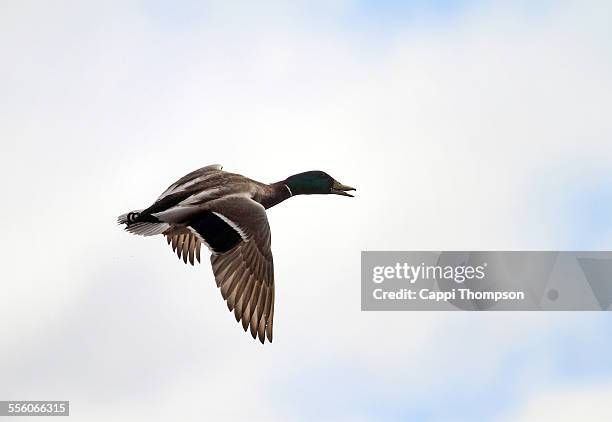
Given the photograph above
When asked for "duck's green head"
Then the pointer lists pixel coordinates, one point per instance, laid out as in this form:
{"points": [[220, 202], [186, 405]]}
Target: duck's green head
{"points": [[316, 182]]}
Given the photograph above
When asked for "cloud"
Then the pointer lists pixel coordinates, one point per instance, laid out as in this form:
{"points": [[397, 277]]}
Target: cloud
{"points": [[567, 403]]}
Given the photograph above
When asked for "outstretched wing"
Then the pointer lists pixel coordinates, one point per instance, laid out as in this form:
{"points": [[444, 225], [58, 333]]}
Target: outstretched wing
{"points": [[245, 273], [236, 231]]}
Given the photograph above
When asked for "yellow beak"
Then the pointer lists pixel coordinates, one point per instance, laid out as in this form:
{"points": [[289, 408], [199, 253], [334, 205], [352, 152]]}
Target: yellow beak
{"points": [[340, 189]]}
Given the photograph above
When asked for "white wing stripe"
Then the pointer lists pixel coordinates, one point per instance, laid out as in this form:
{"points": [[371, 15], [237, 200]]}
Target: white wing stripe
{"points": [[233, 225]]}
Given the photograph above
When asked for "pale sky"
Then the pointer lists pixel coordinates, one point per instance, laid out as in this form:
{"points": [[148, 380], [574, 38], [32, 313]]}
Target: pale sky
{"points": [[464, 126]]}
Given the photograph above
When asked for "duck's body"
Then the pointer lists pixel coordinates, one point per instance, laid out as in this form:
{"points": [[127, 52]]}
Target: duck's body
{"points": [[226, 212]]}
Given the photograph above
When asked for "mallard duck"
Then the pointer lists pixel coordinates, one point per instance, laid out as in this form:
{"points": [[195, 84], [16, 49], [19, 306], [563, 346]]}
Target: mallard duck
{"points": [[227, 213]]}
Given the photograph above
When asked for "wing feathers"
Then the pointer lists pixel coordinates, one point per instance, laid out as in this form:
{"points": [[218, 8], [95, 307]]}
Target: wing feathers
{"points": [[244, 274], [192, 246], [251, 304], [185, 244], [264, 317], [179, 245], [257, 313], [238, 296], [243, 302], [270, 319]]}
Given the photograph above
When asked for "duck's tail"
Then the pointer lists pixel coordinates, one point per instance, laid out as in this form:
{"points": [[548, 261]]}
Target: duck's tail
{"points": [[129, 217], [142, 224]]}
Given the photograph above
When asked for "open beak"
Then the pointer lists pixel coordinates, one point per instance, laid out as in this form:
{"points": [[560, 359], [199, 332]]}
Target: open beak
{"points": [[340, 189]]}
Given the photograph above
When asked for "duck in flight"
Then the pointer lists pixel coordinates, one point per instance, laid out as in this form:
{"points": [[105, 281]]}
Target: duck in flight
{"points": [[227, 213]]}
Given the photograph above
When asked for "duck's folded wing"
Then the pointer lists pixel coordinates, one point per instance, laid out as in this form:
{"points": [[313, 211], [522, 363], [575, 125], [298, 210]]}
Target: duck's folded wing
{"points": [[245, 273], [190, 179]]}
